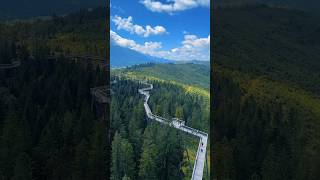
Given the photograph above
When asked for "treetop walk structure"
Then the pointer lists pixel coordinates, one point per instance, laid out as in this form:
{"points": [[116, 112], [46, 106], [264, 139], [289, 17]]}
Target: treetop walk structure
{"points": [[201, 157], [14, 64]]}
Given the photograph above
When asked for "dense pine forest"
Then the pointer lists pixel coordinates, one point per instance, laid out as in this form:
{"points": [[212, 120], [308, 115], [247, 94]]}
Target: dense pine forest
{"points": [[186, 73], [169, 101], [143, 149], [80, 33], [48, 126], [266, 107]]}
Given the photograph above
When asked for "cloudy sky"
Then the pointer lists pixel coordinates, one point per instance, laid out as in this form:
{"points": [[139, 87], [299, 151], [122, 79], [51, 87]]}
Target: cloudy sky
{"points": [[171, 29]]}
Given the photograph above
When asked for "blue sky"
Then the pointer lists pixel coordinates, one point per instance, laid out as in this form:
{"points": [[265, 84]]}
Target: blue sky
{"points": [[170, 29]]}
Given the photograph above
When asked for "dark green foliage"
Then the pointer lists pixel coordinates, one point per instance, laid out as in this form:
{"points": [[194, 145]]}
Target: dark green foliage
{"points": [[266, 106], [157, 150], [169, 100], [97, 159], [278, 43], [49, 130], [79, 33], [186, 73], [7, 50], [128, 120], [269, 137], [122, 158], [22, 168], [162, 154], [80, 164]]}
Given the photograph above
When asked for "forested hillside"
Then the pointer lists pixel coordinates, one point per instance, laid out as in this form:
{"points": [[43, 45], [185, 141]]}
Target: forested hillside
{"points": [[186, 73], [168, 100], [266, 108], [193, 78], [80, 33], [137, 148], [48, 128], [143, 149], [273, 42]]}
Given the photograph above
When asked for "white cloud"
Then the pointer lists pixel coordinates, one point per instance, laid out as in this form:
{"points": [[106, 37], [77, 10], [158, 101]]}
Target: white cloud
{"points": [[121, 41], [195, 41], [192, 48], [174, 5], [147, 48], [126, 24]]}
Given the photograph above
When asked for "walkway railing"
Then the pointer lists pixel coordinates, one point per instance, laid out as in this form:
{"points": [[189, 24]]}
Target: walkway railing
{"points": [[197, 173], [10, 66]]}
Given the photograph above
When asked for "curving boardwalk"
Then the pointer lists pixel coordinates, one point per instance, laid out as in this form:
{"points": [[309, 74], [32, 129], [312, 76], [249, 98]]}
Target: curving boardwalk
{"points": [[198, 168], [10, 66], [100, 60]]}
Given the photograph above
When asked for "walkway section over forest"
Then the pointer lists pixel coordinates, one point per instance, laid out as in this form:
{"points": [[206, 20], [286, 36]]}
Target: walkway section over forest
{"points": [[198, 168]]}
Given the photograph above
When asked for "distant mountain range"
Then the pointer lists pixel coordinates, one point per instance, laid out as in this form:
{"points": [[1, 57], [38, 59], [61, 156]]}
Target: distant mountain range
{"points": [[197, 75], [305, 5], [206, 63], [21, 9], [124, 57]]}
